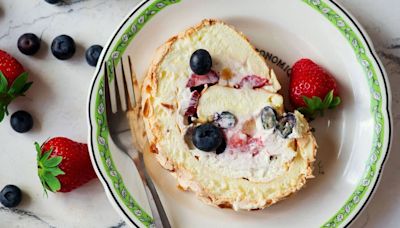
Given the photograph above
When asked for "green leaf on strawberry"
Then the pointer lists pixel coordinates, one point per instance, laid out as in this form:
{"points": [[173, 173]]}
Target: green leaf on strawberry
{"points": [[3, 83], [48, 169], [316, 105], [25, 88], [18, 84], [335, 102], [8, 93], [13, 81], [2, 113]]}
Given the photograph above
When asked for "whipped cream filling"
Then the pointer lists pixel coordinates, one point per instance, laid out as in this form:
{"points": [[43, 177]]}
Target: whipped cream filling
{"points": [[254, 154], [261, 157]]}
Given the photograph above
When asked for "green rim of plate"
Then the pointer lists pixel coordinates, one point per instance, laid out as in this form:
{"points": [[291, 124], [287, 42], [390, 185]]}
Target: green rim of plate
{"points": [[371, 170], [102, 130]]}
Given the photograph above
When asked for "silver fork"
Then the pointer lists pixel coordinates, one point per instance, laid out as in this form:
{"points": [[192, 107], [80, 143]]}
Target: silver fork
{"points": [[129, 99]]}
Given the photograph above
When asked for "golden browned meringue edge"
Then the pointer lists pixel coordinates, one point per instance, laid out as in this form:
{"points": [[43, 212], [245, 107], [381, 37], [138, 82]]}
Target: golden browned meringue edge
{"points": [[307, 146]]}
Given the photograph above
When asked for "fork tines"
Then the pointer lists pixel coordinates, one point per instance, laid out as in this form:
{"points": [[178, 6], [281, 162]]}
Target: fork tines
{"points": [[122, 78]]}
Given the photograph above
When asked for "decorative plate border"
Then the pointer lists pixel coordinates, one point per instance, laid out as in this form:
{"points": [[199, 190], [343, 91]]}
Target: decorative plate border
{"points": [[372, 171], [102, 130]]}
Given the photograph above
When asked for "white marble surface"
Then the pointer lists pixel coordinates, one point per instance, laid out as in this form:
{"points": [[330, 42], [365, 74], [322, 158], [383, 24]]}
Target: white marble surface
{"points": [[59, 96]]}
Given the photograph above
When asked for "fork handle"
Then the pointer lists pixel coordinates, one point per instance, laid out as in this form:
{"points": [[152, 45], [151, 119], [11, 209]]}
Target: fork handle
{"points": [[159, 209]]}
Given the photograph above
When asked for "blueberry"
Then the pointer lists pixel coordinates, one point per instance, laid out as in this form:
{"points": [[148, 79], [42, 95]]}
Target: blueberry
{"points": [[93, 54], [10, 196], [224, 120], [221, 148], [29, 44], [21, 121], [63, 47], [201, 62], [207, 137], [53, 1], [268, 118], [286, 125]]}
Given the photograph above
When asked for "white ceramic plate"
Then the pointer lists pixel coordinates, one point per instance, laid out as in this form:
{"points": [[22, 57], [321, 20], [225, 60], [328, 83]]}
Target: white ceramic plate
{"points": [[353, 139]]}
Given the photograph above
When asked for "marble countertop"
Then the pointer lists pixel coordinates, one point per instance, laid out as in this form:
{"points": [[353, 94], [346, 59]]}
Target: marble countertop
{"points": [[92, 22]]}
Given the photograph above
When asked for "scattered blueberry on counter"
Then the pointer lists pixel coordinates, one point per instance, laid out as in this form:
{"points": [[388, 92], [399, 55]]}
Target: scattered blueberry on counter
{"points": [[10, 196], [53, 1], [201, 62], [63, 47], [92, 54], [21, 121], [29, 44]]}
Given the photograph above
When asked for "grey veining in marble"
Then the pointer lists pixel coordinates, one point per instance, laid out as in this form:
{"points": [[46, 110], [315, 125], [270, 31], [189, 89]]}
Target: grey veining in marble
{"points": [[22, 214]]}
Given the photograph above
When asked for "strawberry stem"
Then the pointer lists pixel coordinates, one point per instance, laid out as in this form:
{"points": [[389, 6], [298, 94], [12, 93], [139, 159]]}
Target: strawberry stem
{"points": [[48, 169], [315, 106], [9, 92]]}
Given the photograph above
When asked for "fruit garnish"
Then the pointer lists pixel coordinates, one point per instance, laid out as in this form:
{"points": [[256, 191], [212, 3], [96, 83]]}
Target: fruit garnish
{"points": [[10, 196], [63, 165], [196, 80], [224, 120], [194, 100], [316, 105], [269, 118], [221, 148], [238, 140], [244, 143], [249, 127], [286, 125], [252, 82], [13, 81], [28, 44], [200, 62], [21, 121], [92, 54], [312, 90], [207, 137], [63, 47]]}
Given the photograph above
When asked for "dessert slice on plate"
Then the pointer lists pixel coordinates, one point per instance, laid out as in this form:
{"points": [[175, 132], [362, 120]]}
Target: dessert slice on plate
{"points": [[214, 119]]}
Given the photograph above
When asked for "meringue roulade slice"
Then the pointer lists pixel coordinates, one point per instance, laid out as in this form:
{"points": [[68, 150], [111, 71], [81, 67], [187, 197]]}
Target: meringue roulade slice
{"points": [[254, 154]]}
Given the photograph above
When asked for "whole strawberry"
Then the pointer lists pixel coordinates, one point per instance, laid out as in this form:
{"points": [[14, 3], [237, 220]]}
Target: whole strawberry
{"points": [[63, 164], [312, 89], [13, 81]]}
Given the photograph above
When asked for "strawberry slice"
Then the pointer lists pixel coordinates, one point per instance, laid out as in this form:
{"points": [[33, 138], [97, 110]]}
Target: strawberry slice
{"points": [[252, 81], [244, 143], [198, 80], [255, 145], [194, 100], [238, 140]]}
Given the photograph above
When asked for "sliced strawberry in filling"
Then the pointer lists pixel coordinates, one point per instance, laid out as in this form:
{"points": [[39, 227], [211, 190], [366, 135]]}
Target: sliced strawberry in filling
{"points": [[238, 140], [252, 81], [244, 143], [194, 101], [198, 80], [255, 145]]}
